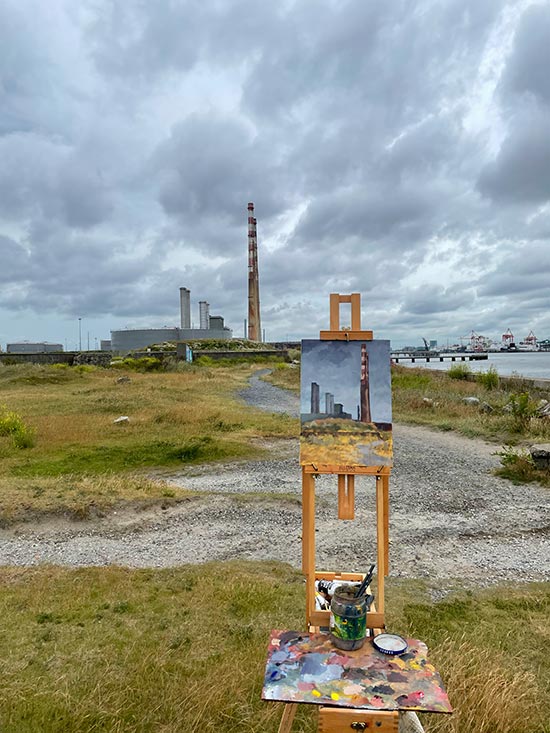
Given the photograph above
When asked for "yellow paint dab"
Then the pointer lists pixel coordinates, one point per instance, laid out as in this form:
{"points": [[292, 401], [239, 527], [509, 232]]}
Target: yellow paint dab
{"points": [[334, 695], [316, 693]]}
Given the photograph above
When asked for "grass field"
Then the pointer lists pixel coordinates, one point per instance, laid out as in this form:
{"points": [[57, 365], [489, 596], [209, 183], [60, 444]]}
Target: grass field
{"points": [[110, 649], [82, 460], [113, 649]]}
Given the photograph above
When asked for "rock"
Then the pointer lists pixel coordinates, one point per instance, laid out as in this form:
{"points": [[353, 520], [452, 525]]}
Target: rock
{"points": [[428, 401], [541, 455], [123, 380], [543, 410], [122, 420], [508, 408], [471, 400], [486, 407]]}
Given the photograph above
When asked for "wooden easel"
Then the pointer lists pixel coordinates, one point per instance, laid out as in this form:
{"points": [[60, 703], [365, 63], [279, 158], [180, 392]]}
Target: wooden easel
{"points": [[332, 719]]}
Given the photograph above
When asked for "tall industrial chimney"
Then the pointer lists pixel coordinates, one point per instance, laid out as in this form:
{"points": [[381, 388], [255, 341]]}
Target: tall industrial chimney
{"points": [[185, 307], [365, 396], [254, 324], [204, 314]]}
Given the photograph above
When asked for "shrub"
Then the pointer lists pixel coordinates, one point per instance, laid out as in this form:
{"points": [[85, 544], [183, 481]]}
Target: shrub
{"points": [[24, 437], [12, 424], [522, 409], [517, 465], [142, 364], [489, 380], [459, 371]]}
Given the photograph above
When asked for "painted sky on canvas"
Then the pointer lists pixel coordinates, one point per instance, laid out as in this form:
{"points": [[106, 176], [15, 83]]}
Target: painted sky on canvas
{"points": [[336, 367], [396, 149]]}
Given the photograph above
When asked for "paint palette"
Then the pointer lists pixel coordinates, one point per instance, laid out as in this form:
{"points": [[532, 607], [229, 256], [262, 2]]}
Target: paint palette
{"points": [[307, 668]]}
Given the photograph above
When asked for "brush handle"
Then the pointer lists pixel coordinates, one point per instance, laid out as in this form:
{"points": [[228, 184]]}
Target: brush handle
{"points": [[366, 580]]}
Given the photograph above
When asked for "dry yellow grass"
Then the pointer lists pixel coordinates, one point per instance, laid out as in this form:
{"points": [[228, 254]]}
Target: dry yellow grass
{"points": [[174, 418], [490, 691], [184, 649]]}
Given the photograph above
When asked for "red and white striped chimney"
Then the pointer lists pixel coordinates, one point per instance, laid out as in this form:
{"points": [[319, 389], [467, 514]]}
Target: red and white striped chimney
{"points": [[254, 324]]}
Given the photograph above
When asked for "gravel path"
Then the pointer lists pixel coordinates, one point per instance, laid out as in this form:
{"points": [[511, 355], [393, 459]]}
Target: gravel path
{"points": [[451, 519]]}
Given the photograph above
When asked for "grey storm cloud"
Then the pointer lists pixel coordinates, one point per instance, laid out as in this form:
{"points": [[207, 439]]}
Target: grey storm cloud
{"points": [[385, 152], [527, 68], [521, 171], [208, 168], [434, 300]]}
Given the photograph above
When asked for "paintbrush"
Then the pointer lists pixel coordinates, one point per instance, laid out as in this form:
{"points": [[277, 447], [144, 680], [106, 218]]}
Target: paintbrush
{"points": [[366, 580]]}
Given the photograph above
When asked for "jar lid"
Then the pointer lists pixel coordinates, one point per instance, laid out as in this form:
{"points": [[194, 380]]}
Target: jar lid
{"points": [[390, 644]]}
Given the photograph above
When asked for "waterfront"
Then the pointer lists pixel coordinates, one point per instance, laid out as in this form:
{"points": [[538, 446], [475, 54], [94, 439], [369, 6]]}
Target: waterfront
{"points": [[535, 364]]}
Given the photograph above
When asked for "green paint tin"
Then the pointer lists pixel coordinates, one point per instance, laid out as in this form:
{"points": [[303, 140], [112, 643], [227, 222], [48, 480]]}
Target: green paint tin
{"points": [[348, 618]]}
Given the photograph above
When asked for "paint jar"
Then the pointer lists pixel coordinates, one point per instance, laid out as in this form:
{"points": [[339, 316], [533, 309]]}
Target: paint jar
{"points": [[348, 618]]}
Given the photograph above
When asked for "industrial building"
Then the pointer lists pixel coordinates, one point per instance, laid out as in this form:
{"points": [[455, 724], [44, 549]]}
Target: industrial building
{"points": [[210, 327], [26, 347]]}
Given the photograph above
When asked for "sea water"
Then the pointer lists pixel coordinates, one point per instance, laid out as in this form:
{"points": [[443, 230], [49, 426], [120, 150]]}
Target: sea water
{"points": [[534, 364]]}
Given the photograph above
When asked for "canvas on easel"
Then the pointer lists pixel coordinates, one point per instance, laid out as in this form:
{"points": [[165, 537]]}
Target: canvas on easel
{"points": [[345, 407]]}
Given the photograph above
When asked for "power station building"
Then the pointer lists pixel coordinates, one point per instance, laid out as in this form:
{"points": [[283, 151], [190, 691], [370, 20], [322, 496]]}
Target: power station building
{"points": [[26, 347], [210, 327]]}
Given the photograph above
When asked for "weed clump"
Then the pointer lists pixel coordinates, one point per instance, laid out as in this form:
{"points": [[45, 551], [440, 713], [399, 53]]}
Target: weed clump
{"points": [[12, 424], [459, 371], [490, 379], [518, 466], [522, 409], [141, 364]]}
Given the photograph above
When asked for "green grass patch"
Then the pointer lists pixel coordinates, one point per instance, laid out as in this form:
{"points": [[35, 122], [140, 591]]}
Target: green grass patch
{"points": [[184, 649], [175, 418], [286, 376], [104, 458]]}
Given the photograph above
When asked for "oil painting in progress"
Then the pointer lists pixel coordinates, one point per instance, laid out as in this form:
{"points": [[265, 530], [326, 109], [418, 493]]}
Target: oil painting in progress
{"points": [[345, 403], [307, 668]]}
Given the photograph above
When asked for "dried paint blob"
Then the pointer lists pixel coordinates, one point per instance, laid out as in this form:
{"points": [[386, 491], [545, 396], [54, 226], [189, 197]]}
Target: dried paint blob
{"points": [[390, 644]]}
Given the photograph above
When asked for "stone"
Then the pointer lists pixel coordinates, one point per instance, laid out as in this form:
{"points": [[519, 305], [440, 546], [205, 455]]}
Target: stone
{"points": [[471, 400], [486, 407], [123, 380], [122, 420], [428, 401], [540, 454], [543, 410]]}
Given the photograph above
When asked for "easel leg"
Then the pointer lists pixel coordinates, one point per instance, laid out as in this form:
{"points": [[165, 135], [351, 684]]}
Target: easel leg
{"points": [[386, 490], [288, 717], [308, 540], [381, 535]]}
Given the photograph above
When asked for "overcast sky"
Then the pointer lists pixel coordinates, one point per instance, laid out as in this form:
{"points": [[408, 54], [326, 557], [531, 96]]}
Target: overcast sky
{"points": [[397, 149]]}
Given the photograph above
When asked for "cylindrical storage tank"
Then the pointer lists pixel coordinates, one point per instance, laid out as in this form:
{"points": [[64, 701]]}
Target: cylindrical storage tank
{"points": [[204, 314], [185, 307], [140, 338]]}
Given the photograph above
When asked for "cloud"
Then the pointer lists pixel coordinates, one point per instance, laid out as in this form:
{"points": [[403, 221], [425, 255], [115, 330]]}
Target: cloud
{"points": [[521, 171], [527, 68], [132, 137]]}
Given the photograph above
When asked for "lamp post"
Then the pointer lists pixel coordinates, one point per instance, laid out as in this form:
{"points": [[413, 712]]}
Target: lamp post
{"points": [[80, 334]]}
